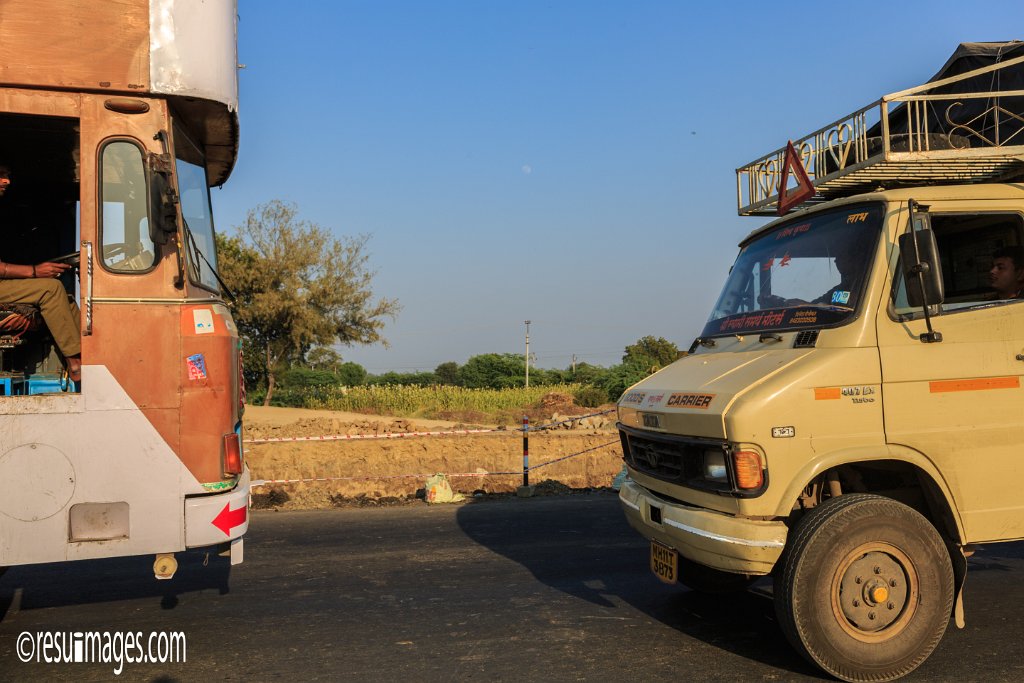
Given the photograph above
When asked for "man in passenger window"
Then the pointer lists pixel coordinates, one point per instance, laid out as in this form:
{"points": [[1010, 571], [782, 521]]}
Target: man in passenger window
{"points": [[1006, 276], [37, 285]]}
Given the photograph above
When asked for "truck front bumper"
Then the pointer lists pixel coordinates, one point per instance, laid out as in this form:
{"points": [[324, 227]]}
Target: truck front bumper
{"points": [[720, 541]]}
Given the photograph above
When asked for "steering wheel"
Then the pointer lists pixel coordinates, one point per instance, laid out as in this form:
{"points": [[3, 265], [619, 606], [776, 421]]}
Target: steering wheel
{"points": [[115, 249], [71, 259]]}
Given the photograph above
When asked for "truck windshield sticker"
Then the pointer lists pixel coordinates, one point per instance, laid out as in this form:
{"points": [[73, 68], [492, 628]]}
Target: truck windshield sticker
{"points": [[840, 297], [755, 320], [792, 231], [699, 401], [804, 317]]}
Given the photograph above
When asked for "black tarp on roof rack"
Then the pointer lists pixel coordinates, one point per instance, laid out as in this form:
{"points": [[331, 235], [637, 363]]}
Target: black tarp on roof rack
{"points": [[977, 114]]}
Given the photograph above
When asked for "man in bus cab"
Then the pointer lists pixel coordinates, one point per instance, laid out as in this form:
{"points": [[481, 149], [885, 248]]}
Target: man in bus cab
{"points": [[1006, 276], [36, 285]]}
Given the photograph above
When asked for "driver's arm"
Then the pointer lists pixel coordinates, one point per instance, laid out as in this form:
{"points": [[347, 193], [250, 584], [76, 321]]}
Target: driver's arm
{"points": [[13, 271]]}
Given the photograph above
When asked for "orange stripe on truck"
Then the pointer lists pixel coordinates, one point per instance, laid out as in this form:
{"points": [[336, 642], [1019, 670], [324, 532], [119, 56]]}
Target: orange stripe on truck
{"points": [[827, 393], [974, 384]]}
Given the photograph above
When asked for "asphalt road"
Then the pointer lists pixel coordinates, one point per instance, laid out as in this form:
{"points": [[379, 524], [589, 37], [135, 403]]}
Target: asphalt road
{"points": [[552, 588]]}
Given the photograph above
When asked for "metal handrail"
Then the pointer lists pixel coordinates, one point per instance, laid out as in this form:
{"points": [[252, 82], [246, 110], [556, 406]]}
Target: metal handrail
{"points": [[841, 150]]}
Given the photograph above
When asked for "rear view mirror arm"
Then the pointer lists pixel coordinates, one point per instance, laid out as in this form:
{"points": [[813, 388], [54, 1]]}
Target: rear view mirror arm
{"points": [[179, 281], [920, 268]]}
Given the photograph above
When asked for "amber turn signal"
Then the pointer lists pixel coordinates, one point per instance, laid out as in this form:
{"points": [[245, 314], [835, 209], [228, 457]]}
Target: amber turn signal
{"points": [[749, 471]]}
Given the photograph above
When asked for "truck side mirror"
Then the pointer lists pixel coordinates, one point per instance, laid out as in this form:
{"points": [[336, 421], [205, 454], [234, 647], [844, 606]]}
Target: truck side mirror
{"points": [[921, 268], [163, 201]]}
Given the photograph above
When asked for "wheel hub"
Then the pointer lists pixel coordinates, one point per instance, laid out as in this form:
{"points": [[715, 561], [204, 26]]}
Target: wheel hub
{"points": [[872, 591]]}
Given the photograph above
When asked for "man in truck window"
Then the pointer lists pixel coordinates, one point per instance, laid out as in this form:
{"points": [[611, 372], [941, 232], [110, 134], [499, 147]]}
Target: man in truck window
{"points": [[1007, 274], [840, 295], [36, 285]]}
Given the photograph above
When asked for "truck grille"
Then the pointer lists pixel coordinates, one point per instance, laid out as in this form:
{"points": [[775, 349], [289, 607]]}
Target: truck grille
{"points": [[674, 459]]}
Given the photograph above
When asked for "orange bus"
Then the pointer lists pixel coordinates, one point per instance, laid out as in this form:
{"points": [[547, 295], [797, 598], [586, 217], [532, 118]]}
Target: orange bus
{"points": [[115, 120]]}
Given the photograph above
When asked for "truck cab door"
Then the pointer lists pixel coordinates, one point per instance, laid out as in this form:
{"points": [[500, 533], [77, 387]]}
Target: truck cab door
{"points": [[960, 401]]}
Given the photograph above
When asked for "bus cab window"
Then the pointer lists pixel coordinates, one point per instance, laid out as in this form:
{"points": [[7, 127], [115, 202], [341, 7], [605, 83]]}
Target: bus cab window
{"points": [[127, 247]]}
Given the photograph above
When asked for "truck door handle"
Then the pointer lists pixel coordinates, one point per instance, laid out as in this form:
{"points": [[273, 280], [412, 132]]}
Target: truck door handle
{"points": [[1020, 356], [88, 289]]}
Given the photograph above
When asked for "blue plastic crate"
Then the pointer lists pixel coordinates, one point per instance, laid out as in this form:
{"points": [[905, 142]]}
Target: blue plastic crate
{"points": [[12, 386], [43, 385]]}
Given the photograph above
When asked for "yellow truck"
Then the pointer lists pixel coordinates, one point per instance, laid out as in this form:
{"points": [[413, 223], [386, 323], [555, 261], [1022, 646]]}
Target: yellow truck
{"points": [[850, 421]]}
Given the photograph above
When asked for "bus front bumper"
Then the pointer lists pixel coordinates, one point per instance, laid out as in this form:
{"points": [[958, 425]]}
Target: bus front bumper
{"points": [[717, 540], [217, 518]]}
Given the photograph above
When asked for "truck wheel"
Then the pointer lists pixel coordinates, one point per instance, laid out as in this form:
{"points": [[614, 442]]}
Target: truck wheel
{"points": [[703, 579], [866, 588]]}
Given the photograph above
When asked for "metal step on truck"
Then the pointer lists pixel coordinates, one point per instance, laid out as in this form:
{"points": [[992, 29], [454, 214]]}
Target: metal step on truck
{"points": [[850, 421]]}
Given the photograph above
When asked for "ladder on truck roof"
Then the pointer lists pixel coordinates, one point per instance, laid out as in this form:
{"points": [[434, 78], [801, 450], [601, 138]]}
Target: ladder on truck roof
{"points": [[967, 128]]}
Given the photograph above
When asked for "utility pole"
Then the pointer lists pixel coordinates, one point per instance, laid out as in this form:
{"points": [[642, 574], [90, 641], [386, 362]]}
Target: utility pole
{"points": [[574, 365], [527, 354]]}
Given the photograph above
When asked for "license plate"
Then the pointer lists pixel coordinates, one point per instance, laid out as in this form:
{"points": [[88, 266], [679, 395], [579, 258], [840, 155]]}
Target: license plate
{"points": [[651, 420], [664, 562]]}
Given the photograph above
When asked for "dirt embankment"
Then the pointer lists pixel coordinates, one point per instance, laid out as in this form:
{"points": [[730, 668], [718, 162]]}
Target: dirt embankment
{"points": [[395, 469]]}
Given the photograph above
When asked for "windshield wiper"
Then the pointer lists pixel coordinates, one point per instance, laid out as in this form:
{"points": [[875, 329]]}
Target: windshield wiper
{"points": [[195, 248], [832, 307]]}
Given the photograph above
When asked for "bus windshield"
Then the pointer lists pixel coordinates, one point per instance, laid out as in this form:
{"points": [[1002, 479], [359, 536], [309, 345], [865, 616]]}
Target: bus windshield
{"points": [[197, 212], [807, 272]]}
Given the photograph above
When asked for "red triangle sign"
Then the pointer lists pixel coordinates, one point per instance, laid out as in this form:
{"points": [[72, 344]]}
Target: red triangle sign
{"points": [[804, 189]]}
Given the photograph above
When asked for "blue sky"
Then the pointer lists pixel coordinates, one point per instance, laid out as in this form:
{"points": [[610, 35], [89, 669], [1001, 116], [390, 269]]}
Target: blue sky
{"points": [[571, 163]]}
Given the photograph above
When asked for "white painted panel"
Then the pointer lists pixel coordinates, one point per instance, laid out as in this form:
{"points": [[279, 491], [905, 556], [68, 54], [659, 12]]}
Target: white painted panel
{"points": [[193, 51], [115, 454]]}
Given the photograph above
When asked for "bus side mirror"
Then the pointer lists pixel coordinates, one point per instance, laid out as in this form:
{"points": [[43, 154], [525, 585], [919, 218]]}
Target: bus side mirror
{"points": [[163, 201], [922, 270]]}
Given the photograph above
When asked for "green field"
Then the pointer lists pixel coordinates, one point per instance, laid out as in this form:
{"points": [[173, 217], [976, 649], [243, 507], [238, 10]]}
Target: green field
{"points": [[435, 401]]}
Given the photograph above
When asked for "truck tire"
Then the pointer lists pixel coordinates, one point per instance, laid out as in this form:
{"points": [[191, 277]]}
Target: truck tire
{"points": [[865, 589], [703, 579]]}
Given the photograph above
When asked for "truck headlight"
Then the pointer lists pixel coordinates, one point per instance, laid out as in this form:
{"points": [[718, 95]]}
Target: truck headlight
{"points": [[714, 465]]}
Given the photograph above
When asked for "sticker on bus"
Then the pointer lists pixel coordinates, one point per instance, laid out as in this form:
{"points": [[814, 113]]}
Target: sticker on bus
{"points": [[196, 366]]}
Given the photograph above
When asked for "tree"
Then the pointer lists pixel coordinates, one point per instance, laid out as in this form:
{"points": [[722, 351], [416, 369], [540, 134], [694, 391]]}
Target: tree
{"points": [[447, 373], [297, 287], [618, 378], [323, 358], [493, 371], [351, 374], [586, 373], [657, 352], [419, 379]]}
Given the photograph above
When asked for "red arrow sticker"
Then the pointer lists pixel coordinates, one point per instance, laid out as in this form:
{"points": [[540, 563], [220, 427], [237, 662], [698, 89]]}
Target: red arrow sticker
{"points": [[228, 519]]}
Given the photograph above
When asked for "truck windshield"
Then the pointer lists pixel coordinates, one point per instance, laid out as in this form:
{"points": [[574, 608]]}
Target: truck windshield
{"points": [[807, 272]]}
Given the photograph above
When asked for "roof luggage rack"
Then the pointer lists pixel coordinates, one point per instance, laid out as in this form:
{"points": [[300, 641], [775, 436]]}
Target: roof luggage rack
{"points": [[965, 125]]}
